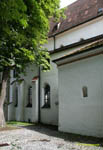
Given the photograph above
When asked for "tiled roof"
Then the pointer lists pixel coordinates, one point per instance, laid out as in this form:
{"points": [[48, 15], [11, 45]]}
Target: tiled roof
{"points": [[77, 13]]}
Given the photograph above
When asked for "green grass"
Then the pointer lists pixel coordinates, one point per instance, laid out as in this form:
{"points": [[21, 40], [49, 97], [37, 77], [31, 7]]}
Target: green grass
{"points": [[12, 125], [17, 123], [83, 144], [8, 127]]}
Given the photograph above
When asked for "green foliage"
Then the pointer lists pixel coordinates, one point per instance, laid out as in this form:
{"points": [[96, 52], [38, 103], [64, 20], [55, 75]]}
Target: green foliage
{"points": [[24, 25]]}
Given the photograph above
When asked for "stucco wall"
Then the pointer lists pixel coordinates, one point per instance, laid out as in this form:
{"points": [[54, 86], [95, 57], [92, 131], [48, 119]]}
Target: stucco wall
{"points": [[78, 114], [50, 115], [50, 44], [21, 112]]}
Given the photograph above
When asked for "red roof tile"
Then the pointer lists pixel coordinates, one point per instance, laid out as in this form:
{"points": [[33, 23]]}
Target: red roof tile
{"points": [[77, 13], [34, 78]]}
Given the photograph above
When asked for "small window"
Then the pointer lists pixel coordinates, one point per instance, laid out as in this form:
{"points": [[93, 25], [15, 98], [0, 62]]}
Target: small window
{"points": [[16, 96], [46, 96], [29, 97], [56, 27], [100, 10], [85, 91]]}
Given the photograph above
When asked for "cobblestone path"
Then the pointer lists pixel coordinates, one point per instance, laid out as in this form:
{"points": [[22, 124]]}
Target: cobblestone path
{"points": [[44, 138]]}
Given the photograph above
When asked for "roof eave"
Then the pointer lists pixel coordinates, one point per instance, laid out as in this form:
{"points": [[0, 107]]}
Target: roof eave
{"points": [[55, 34], [77, 44], [91, 47]]}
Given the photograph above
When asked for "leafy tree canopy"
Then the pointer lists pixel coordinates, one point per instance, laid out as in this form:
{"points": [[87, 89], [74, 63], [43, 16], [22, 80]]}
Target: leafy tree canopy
{"points": [[24, 25]]}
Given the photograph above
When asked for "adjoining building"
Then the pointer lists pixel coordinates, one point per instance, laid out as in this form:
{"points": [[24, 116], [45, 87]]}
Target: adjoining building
{"points": [[80, 90]]}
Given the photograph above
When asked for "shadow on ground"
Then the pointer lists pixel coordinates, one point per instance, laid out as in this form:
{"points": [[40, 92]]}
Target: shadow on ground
{"points": [[53, 131]]}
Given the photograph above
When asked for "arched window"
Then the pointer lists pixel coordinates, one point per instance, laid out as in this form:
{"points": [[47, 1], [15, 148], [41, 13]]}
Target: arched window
{"points": [[47, 96], [29, 97], [16, 96]]}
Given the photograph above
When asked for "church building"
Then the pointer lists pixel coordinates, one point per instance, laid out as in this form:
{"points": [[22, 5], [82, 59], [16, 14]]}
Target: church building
{"points": [[70, 94]]}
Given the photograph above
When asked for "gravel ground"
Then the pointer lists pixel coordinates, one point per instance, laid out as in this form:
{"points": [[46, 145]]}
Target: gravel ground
{"points": [[46, 138]]}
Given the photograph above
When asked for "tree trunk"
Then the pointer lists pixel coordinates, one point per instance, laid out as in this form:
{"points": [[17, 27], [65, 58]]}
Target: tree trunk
{"points": [[5, 77]]}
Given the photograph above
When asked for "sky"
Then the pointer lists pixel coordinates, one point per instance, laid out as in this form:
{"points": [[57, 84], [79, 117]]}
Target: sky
{"points": [[66, 2]]}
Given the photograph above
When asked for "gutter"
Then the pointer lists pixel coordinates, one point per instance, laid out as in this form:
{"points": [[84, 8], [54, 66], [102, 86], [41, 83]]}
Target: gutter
{"points": [[54, 43], [77, 44], [87, 48], [78, 58]]}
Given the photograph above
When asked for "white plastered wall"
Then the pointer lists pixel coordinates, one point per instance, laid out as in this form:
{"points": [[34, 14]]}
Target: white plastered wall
{"points": [[78, 114], [21, 112], [50, 115], [87, 30], [50, 44]]}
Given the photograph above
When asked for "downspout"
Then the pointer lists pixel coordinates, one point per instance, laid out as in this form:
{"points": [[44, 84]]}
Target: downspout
{"points": [[39, 94], [54, 42]]}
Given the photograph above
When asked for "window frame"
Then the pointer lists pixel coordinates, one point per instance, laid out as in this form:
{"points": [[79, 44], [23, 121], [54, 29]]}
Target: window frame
{"points": [[85, 91], [47, 96]]}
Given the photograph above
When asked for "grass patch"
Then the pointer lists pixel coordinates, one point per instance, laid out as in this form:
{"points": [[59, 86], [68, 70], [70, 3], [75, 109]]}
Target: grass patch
{"points": [[83, 144], [17, 123], [12, 125], [8, 127]]}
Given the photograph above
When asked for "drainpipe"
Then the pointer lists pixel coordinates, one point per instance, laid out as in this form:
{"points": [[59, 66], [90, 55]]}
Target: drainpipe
{"points": [[54, 42], [39, 93]]}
